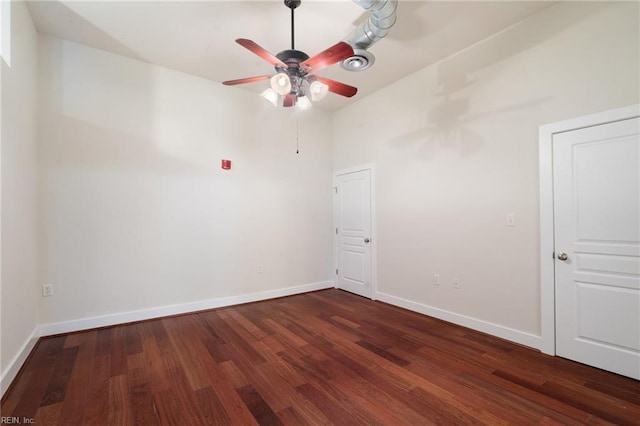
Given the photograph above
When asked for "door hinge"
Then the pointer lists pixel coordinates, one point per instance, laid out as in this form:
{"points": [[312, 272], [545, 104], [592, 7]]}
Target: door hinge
{"points": [[336, 231], [336, 271]]}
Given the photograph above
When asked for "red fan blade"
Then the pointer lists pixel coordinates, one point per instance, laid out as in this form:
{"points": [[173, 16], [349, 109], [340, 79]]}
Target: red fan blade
{"points": [[337, 87], [336, 53], [258, 50], [246, 80], [289, 100]]}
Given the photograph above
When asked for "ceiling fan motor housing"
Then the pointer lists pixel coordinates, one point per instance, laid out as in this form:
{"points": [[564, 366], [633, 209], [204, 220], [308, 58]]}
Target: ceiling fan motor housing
{"points": [[293, 58]]}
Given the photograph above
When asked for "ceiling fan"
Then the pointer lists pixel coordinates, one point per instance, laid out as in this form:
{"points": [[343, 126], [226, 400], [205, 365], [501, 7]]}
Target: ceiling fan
{"points": [[294, 80]]}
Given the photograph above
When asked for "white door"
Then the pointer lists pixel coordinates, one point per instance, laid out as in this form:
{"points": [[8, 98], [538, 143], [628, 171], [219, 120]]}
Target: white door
{"points": [[596, 177], [353, 232]]}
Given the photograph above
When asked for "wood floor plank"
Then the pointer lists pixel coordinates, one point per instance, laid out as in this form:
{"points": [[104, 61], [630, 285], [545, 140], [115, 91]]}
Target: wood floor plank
{"points": [[119, 408], [118, 351], [233, 374], [232, 335], [183, 397], [616, 412], [48, 415], [246, 324], [132, 338], [518, 399], [383, 353], [211, 408], [379, 404], [427, 402], [630, 396], [80, 380], [337, 413], [261, 411], [34, 380], [285, 334], [154, 367], [57, 387], [266, 381], [160, 335], [141, 398], [326, 357], [96, 408], [180, 338], [280, 368], [170, 411], [292, 416], [103, 346], [224, 388]]}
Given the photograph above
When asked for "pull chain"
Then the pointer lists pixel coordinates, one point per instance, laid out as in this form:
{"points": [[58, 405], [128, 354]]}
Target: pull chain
{"points": [[297, 136]]}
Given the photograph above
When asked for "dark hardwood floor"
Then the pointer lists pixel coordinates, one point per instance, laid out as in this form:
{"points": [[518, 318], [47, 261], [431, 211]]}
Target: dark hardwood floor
{"points": [[326, 357]]}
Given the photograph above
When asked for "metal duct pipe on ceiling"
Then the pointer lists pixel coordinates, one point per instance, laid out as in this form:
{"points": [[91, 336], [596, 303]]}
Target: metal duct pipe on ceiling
{"points": [[382, 17]]}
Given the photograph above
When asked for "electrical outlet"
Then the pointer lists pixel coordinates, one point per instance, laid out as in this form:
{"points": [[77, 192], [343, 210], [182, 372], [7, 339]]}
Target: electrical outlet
{"points": [[47, 290], [456, 283], [260, 268], [436, 279]]}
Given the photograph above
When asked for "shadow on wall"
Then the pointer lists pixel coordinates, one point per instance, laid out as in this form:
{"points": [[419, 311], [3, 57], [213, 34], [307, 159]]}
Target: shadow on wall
{"points": [[89, 91], [76, 25], [447, 124], [129, 115]]}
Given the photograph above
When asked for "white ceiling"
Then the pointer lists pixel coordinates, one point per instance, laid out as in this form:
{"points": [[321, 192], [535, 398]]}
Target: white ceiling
{"points": [[198, 37]]}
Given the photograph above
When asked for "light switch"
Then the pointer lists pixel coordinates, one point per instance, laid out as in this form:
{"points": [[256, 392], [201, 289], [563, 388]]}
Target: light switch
{"points": [[511, 219]]}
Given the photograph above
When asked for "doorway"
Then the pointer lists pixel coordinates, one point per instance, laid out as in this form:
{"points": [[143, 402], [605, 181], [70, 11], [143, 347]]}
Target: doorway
{"points": [[354, 231], [590, 240]]}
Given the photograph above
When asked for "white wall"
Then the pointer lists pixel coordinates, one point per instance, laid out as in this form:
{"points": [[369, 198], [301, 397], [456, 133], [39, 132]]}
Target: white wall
{"points": [[19, 281], [136, 210], [456, 149]]}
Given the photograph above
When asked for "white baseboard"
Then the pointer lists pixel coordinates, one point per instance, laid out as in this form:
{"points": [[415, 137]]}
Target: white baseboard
{"points": [[18, 361], [183, 308], [521, 337]]}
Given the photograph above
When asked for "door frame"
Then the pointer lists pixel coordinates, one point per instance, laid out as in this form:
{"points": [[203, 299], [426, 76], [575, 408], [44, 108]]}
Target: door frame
{"points": [[547, 236], [374, 233]]}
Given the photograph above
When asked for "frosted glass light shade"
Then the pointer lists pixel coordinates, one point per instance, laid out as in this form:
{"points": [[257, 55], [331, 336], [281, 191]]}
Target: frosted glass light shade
{"points": [[318, 90], [281, 84], [303, 103], [271, 96]]}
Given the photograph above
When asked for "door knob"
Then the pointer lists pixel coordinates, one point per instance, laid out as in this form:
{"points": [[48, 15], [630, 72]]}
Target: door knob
{"points": [[562, 256], [366, 240]]}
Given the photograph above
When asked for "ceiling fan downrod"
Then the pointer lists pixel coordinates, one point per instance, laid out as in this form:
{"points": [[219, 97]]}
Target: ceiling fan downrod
{"points": [[292, 4]]}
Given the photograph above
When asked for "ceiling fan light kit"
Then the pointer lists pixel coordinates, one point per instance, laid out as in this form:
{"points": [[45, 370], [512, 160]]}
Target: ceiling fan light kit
{"points": [[303, 103], [281, 83], [270, 95], [318, 90]]}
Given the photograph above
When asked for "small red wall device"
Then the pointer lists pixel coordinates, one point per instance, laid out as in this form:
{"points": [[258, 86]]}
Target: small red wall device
{"points": [[226, 164]]}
